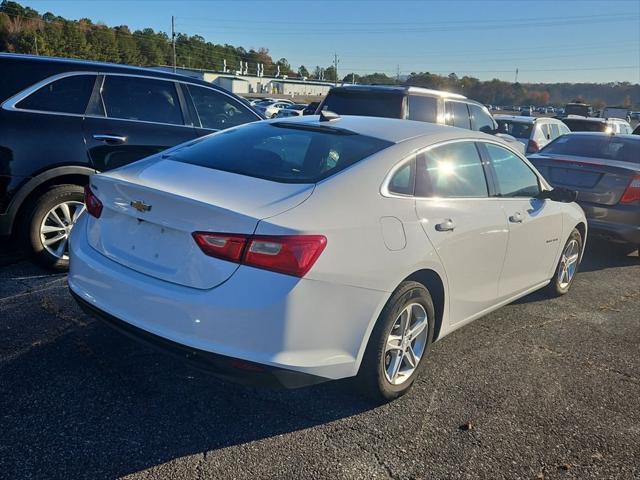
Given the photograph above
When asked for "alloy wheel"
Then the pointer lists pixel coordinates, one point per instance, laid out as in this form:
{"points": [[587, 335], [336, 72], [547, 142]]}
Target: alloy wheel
{"points": [[56, 227], [406, 344], [568, 263]]}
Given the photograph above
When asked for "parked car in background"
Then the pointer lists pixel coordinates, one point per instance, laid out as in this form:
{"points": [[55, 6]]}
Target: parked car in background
{"points": [[413, 103], [533, 132], [616, 112], [578, 123], [576, 108], [270, 108], [295, 110], [416, 251], [62, 120], [605, 170]]}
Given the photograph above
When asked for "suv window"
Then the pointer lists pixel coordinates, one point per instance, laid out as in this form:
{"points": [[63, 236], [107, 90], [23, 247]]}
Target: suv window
{"points": [[135, 98], [66, 95], [217, 111], [453, 170], [480, 119], [403, 180], [423, 109], [372, 104], [555, 130], [546, 133], [514, 177], [457, 115]]}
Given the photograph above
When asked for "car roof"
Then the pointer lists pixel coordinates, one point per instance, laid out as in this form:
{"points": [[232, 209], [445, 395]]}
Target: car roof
{"points": [[400, 89], [635, 138], [589, 119], [390, 129], [516, 118], [73, 64]]}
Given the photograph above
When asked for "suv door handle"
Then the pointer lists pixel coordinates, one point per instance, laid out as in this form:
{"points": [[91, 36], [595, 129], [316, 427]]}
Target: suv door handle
{"points": [[446, 226], [516, 218], [105, 137]]}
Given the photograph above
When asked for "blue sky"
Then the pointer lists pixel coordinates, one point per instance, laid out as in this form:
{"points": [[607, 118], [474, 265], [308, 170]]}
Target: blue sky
{"points": [[547, 40]]}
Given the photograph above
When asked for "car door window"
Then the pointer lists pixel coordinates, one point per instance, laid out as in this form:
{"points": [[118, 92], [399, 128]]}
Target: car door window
{"points": [[402, 181], [144, 99], [66, 95], [217, 110], [453, 170], [555, 130], [481, 120], [457, 115], [546, 133], [513, 176], [423, 109]]}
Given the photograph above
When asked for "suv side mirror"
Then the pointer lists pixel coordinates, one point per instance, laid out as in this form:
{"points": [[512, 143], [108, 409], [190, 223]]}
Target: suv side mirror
{"points": [[559, 194]]}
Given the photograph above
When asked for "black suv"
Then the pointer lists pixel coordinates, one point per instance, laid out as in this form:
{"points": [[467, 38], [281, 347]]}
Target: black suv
{"points": [[62, 120]]}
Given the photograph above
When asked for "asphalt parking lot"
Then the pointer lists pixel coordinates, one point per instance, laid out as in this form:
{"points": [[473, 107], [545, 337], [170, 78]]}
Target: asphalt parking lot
{"points": [[538, 389]]}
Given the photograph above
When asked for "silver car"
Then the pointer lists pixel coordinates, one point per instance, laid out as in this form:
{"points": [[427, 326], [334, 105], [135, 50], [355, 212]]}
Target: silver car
{"points": [[533, 132]]}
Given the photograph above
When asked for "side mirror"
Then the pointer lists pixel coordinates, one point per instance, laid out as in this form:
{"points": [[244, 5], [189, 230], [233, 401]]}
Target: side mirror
{"points": [[559, 194]]}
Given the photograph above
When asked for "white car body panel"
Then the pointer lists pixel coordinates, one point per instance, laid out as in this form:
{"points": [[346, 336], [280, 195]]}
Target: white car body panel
{"points": [[319, 324]]}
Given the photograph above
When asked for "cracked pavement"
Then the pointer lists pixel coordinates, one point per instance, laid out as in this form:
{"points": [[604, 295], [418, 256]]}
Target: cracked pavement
{"points": [[538, 389]]}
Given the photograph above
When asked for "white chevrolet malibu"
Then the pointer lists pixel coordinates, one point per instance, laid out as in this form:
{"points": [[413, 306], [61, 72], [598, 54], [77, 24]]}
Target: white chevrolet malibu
{"points": [[297, 251]]}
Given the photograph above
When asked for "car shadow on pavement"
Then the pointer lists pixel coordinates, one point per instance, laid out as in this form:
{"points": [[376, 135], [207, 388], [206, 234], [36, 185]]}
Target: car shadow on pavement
{"points": [[96, 402]]}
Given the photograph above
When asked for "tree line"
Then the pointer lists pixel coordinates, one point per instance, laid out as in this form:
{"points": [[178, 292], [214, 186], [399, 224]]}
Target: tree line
{"points": [[25, 30]]}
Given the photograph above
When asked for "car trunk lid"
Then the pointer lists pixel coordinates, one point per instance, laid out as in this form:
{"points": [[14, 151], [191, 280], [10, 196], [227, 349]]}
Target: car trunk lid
{"points": [[151, 210], [596, 180]]}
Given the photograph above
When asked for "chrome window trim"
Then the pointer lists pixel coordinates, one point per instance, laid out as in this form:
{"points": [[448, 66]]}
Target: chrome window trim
{"points": [[384, 189], [10, 103]]}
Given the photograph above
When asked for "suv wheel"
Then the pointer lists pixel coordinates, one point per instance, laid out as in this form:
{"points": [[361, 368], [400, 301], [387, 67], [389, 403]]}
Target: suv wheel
{"points": [[50, 223]]}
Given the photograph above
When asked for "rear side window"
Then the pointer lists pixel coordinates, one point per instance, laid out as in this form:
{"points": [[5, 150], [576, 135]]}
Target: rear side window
{"points": [[480, 119], [423, 109], [146, 99], [281, 151], [555, 130], [67, 95], [371, 104], [403, 180], [457, 115], [217, 111], [515, 178], [453, 170]]}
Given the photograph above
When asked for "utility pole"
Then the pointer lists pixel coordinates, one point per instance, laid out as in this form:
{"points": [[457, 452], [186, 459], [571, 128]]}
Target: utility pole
{"points": [[173, 41], [35, 42], [398, 74], [335, 68], [516, 76]]}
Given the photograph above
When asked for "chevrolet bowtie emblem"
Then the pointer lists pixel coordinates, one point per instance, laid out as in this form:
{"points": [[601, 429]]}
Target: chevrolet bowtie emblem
{"points": [[140, 206]]}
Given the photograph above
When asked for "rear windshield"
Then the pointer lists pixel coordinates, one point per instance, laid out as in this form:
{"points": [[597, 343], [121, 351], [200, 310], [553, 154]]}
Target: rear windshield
{"points": [[369, 104], [281, 152], [579, 125], [609, 147], [516, 129]]}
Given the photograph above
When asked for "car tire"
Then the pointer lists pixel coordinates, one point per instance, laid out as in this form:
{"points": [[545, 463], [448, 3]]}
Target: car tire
{"points": [[52, 216], [568, 264], [375, 376]]}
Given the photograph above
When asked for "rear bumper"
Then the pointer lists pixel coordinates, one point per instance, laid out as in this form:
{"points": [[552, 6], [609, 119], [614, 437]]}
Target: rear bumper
{"points": [[277, 321], [227, 368], [619, 223]]}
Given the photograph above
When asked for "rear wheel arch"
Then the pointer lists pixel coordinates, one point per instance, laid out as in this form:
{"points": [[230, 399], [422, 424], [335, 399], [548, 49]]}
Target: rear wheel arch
{"points": [[432, 281], [24, 200], [582, 228]]}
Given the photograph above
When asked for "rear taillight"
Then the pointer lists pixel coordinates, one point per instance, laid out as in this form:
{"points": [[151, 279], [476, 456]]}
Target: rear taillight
{"points": [[221, 245], [289, 254], [93, 203], [532, 147], [632, 193]]}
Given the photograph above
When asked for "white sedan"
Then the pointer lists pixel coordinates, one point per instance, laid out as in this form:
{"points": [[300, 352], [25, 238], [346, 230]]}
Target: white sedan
{"points": [[297, 251]]}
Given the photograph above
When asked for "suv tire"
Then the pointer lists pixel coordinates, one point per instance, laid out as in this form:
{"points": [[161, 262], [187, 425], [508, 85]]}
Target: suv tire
{"points": [[49, 223]]}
